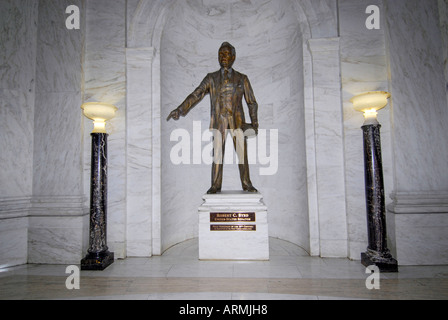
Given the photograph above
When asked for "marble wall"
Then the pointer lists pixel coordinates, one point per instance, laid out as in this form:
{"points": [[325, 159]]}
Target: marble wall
{"points": [[18, 31], [17, 85], [419, 106], [419, 120], [41, 88], [305, 60], [58, 219], [443, 16]]}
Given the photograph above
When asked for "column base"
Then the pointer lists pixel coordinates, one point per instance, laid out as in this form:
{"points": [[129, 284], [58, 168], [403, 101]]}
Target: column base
{"points": [[97, 261], [384, 263]]}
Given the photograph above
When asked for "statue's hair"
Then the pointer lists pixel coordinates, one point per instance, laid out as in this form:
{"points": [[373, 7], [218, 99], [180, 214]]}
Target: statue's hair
{"points": [[228, 45]]}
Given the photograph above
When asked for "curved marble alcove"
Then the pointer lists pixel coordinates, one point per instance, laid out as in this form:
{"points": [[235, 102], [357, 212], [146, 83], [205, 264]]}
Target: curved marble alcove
{"points": [[269, 45]]}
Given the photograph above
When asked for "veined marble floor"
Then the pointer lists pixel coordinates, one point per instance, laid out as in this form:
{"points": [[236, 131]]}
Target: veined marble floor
{"points": [[291, 274]]}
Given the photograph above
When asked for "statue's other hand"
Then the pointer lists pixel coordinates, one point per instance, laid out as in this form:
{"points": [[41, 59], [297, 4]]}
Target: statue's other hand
{"points": [[255, 125], [174, 114]]}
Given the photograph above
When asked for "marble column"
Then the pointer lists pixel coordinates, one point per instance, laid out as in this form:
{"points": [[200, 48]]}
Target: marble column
{"points": [[377, 252], [98, 256]]}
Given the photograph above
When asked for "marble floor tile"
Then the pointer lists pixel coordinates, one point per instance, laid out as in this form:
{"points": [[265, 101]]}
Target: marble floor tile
{"points": [[191, 296], [178, 275], [270, 296], [265, 271], [201, 269]]}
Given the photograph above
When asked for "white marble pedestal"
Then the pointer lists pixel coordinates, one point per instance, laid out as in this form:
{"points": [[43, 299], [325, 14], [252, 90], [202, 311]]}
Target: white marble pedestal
{"points": [[233, 225]]}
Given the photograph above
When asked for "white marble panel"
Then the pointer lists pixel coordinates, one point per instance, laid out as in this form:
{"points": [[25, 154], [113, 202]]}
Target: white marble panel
{"points": [[322, 17], [58, 230], [419, 239], [18, 22], [312, 192], [57, 147], [60, 50], [117, 185], [58, 239], [16, 142], [156, 158], [18, 25], [330, 174], [443, 16], [13, 240], [57, 123], [105, 81], [139, 149], [418, 88], [57, 162]]}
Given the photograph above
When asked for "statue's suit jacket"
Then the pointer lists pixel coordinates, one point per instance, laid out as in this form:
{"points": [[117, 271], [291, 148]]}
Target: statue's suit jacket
{"points": [[212, 84]]}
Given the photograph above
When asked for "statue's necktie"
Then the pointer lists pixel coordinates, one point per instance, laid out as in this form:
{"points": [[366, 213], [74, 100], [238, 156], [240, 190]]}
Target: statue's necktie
{"points": [[226, 95]]}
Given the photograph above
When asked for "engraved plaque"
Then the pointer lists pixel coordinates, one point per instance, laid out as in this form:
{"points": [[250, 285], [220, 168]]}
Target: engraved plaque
{"points": [[228, 227], [232, 216]]}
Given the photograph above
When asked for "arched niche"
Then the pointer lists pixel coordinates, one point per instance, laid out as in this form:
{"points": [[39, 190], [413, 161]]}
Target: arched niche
{"points": [[148, 28], [269, 43]]}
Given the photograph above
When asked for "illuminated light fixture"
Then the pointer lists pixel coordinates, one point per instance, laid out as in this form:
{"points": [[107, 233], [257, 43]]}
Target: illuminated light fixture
{"points": [[98, 255], [99, 113], [370, 103], [377, 253]]}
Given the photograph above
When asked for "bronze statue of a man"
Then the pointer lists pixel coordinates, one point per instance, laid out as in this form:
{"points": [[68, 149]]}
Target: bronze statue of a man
{"points": [[226, 88]]}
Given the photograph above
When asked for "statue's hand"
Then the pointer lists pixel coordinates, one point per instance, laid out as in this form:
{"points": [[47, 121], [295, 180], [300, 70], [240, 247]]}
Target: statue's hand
{"points": [[174, 114]]}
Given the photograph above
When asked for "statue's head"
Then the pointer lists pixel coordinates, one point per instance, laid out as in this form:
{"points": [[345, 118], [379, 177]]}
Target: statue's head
{"points": [[226, 55]]}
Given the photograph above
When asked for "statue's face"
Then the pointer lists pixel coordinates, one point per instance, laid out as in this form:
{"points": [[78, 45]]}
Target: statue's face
{"points": [[226, 58]]}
